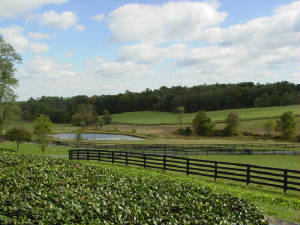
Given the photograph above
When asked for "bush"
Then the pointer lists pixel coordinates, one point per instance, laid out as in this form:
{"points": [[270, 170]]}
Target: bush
{"points": [[56, 191], [202, 124], [106, 118], [185, 132], [18, 135]]}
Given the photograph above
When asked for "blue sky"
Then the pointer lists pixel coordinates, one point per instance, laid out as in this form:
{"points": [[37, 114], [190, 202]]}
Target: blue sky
{"points": [[95, 47]]}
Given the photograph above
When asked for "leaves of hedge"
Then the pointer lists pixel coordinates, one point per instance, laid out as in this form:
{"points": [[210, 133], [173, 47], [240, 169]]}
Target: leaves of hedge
{"points": [[37, 190]]}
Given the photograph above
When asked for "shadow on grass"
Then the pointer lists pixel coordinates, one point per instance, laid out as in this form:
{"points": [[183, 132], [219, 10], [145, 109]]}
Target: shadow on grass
{"points": [[8, 150]]}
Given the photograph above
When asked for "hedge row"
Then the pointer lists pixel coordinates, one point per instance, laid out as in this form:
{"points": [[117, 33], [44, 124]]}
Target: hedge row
{"points": [[37, 190]]}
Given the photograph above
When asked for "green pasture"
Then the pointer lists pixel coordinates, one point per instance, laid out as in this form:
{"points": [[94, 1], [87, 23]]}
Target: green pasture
{"points": [[155, 117]]}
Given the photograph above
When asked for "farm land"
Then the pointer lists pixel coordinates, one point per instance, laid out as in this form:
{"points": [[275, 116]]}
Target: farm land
{"points": [[270, 200]]}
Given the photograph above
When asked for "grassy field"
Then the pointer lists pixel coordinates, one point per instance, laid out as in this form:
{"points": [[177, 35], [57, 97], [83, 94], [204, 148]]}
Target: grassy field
{"points": [[154, 117]]}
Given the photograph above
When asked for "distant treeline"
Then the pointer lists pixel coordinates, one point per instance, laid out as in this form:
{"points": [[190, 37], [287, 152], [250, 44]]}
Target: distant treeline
{"points": [[201, 97]]}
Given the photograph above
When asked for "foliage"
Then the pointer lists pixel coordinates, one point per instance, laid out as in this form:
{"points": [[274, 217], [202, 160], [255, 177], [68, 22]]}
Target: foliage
{"points": [[268, 127], [78, 138], [42, 128], [180, 111], [18, 135], [232, 122], [184, 131], [8, 57], [201, 97], [106, 117], [52, 191], [85, 115], [202, 124], [286, 125], [9, 111]]}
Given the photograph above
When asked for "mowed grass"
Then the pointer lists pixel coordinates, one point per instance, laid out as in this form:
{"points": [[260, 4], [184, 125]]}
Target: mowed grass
{"points": [[155, 117], [277, 161]]}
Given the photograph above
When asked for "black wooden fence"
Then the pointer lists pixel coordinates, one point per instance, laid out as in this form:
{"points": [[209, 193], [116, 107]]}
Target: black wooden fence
{"points": [[266, 176], [200, 149]]}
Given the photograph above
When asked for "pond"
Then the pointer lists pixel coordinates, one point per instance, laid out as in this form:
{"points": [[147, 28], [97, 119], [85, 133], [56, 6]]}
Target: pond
{"points": [[98, 137]]}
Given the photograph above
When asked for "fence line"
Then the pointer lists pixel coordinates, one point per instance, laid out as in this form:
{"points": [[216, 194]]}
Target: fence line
{"points": [[246, 173], [203, 149]]}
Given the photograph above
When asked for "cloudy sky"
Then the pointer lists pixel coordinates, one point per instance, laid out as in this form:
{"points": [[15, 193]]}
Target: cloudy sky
{"points": [[94, 47]]}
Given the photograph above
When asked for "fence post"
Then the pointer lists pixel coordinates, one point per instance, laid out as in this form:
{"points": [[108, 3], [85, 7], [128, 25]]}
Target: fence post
{"points": [[248, 175], [77, 153], [165, 164], [112, 156], [285, 181], [187, 166], [144, 160], [126, 158], [70, 155], [99, 156], [216, 170], [88, 154]]}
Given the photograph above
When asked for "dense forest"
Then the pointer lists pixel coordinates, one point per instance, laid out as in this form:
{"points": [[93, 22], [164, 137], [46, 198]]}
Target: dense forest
{"points": [[200, 97]]}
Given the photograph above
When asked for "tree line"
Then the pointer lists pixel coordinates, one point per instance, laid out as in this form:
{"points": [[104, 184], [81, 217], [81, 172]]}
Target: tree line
{"points": [[193, 99]]}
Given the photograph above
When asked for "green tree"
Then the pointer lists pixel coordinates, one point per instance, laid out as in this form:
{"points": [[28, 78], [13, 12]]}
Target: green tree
{"points": [[202, 124], [268, 127], [8, 57], [286, 125], [78, 138], [180, 111], [106, 117], [232, 122], [42, 128], [18, 135], [85, 115]]}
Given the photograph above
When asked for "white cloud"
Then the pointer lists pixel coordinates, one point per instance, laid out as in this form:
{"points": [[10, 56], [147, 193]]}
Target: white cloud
{"points": [[14, 36], [80, 28], [39, 36], [111, 69], [46, 68], [13, 8], [172, 21], [61, 21], [98, 17], [263, 49]]}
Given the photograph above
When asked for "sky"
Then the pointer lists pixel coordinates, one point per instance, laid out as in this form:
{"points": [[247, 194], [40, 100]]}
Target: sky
{"points": [[96, 47]]}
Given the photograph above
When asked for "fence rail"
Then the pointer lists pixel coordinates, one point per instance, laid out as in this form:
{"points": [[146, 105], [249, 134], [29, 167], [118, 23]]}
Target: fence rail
{"points": [[246, 173], [202, 149]]}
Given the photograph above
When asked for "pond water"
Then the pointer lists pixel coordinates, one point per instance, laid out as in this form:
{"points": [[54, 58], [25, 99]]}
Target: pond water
{"points": [[98, 137]]}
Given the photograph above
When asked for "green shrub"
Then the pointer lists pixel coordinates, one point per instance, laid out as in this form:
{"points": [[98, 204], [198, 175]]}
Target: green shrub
{"points": [[36, 190]]}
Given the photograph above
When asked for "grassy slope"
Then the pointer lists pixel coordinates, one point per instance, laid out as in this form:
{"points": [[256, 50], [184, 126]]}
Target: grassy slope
{"points": [[154, 117]]}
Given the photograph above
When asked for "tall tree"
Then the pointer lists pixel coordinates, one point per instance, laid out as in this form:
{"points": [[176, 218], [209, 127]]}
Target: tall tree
{"points": [[8, 58]]}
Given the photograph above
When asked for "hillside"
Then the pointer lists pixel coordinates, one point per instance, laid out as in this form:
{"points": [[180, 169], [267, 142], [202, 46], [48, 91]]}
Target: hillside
{"points": [[155, 117]]}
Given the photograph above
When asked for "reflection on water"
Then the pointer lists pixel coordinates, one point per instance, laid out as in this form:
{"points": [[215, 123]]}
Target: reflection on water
{"points": [[98, 136]]}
